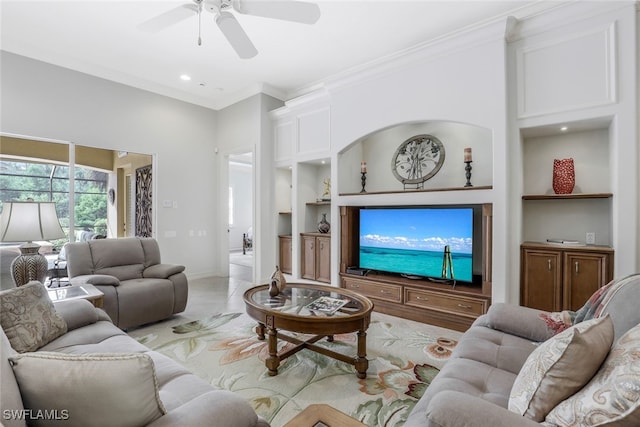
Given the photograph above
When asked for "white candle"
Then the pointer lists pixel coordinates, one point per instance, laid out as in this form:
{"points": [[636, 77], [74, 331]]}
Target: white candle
{"points": [[467, 155]]}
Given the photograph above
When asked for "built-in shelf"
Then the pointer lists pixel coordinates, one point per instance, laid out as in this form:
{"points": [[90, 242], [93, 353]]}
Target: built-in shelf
{"points": [[421, 190], [567, 196], [319, 203]]}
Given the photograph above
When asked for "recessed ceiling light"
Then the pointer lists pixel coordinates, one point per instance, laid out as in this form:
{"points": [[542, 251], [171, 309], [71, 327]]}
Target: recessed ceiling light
{"points": [[185, 77], [564, 128]]}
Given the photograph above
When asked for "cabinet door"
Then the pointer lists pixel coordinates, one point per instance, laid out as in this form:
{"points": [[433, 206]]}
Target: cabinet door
{"points": [[323, 259], [285, 254], [541, 277], [584, 273], [308, 267]]}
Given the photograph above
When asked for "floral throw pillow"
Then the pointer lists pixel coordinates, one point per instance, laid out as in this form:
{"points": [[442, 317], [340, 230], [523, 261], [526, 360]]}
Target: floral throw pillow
{"points": [[612, 397], [559, 367], [29, 318]]}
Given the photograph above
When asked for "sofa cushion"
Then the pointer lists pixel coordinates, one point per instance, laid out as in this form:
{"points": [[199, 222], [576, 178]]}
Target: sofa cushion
{"points": [[612, 397], [9, 392], [559, 367], [29, 318], [94, 389]]}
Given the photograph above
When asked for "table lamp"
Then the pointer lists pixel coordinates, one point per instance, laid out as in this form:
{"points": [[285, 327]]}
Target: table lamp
{"points": [[26, 222]]}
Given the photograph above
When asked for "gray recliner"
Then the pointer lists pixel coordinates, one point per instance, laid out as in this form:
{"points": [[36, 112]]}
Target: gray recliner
{"points": [[137, 287]]}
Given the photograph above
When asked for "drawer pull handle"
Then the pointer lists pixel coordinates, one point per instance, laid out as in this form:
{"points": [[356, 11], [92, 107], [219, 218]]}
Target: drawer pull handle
{"points": [[464, 306], [356, 286], [549, 263], [419, 298], [577, 267]]}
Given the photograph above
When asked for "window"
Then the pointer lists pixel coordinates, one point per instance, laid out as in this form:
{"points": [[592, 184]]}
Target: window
{"points": [[46, 182]]}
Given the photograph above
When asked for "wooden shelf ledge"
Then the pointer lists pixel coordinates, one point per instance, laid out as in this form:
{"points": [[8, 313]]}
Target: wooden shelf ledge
{"points": [[421, 190], [567, 196]]}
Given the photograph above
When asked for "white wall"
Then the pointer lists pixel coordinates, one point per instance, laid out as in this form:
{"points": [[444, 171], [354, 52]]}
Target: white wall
{"points": [[46, 101]]}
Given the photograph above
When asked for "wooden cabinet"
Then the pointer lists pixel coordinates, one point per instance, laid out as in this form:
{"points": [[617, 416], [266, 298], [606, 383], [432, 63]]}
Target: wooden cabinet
{"points": [[562, 278], [421, 300], [286, 254], [316, 257]]}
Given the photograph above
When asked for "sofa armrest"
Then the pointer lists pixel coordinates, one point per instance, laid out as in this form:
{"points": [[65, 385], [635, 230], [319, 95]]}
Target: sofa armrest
{"points": [[162, 271], [77, 313], [525, 322], [95, 279], [219, 407], [454, 408]]}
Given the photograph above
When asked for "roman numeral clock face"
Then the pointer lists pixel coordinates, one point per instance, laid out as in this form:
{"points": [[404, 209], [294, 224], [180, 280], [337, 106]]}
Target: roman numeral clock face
{"points": [[417, 159]]}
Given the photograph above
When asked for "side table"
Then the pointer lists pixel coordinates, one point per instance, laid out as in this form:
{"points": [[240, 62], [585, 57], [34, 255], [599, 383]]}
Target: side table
{"points": [[86, 291]]}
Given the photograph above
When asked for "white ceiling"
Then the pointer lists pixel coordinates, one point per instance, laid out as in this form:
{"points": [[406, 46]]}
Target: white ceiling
{"points": [[103, 38]]}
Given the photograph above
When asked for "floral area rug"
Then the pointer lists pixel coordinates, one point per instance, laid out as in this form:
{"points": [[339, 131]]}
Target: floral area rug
{"points": [[404, 356]]}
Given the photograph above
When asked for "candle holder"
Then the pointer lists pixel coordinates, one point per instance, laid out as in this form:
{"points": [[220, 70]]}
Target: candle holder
{"points": [[363, 180], [468, 174]]}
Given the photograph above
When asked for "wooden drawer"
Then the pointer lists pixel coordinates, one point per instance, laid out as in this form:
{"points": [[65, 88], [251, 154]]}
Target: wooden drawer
{"points": [[381, 291], [462, 305]]}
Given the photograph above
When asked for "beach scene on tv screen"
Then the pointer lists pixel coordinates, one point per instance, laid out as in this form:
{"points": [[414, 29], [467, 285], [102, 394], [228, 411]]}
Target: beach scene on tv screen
{"points": [[412, 241]]}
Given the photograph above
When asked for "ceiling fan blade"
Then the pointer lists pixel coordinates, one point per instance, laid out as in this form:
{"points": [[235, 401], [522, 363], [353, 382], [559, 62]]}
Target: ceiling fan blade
{"points": [[169, 18], [236, 36], [296, 11]]}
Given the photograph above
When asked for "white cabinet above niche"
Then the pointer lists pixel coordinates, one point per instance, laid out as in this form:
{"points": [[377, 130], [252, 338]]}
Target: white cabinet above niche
{"points": [[302, 132], [377, 150], [314, 133], [566, 73]]}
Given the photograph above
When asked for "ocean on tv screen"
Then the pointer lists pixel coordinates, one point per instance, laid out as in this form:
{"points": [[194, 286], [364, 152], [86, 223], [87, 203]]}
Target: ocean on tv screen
{"points": [[418, 263]]}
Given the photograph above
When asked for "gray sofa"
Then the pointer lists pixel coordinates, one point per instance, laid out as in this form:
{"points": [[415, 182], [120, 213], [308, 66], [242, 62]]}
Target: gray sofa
{"points": [[138, 288], [473, 389], [186, 399]]}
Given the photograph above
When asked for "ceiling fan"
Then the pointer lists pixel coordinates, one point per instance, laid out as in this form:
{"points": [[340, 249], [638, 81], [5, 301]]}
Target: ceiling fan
{"points": [[289, 10]]}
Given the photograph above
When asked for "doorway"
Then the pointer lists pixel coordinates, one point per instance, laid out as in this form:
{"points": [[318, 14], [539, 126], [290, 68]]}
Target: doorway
{"points": [[241, 259]]}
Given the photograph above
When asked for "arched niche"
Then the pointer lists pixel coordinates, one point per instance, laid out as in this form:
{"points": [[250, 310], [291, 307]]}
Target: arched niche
{"points": [[377, 149]]}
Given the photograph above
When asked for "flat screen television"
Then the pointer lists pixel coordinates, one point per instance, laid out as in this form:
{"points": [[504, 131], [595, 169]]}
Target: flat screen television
{"points": [[411, 241]]}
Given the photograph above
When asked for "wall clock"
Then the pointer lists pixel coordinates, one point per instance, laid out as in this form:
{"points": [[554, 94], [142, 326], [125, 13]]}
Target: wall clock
{"points": [[417, 159]]}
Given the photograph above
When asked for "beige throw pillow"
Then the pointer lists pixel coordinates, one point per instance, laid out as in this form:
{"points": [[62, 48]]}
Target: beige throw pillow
{"points": [[612, 397], [99, 390], [29, 318], [560, 366]]}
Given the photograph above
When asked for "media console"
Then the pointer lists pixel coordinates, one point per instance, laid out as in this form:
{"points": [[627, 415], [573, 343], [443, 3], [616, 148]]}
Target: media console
{"points": [[428, 301]]}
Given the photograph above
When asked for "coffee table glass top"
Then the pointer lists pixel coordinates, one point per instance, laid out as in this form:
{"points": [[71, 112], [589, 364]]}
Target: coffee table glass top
{"points": [[307, 301]]}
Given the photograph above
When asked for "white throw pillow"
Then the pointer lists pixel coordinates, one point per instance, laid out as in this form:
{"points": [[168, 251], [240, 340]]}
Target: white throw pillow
{"points": [[98, 390], [560, 366], [29, 318], [612, 397]]}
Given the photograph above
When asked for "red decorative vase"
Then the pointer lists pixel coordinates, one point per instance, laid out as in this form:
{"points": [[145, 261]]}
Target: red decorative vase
{"points": [[564, 176]]}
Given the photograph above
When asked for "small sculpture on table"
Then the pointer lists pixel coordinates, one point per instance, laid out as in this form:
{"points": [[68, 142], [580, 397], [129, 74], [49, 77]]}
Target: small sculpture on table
{"points": [[277, 283]]}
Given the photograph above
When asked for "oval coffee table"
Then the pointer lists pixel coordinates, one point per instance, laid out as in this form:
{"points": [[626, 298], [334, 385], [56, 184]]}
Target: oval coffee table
{"points": [[291, 311]]}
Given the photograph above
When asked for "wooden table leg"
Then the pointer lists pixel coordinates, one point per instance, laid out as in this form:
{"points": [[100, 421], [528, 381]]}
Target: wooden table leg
{"points": [[260, 331], [361, 362], [273, 361]]}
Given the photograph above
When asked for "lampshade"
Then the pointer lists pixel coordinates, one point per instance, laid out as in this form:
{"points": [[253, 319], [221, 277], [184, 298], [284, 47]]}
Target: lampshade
{"points": [[29, 221]]}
